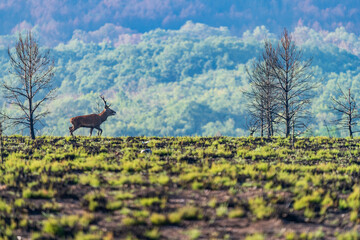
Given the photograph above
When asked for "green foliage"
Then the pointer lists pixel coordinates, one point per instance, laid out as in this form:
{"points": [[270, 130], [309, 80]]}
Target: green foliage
{"points": [[157, 219], [326, 203], [190, 213], [187, 213], [129, 221], [197, 185], [259, 208], [256, 236], [4, 207], [177, 83], [306, 201], [41, 193], [354, 203], [124, 195], [318, 234], [90, 236], [90, 179], [62, 227], [193, 233], [146, 202], [354, 198], [129, 179], [290, 235], [175, 217], [114, 205], [97, 200], [236, 213], [50, 207], [128, 190], [161, 179], [222, 210], [343, 204], [152, 234], [212, 203], [351, 235]]}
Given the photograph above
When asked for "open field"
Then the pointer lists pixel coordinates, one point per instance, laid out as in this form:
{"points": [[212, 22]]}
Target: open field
{"points": [[185, 188]]}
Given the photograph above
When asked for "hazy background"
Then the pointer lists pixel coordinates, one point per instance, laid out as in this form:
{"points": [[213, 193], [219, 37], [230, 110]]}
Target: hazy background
{"points": [[97, 20], [178, 67]]}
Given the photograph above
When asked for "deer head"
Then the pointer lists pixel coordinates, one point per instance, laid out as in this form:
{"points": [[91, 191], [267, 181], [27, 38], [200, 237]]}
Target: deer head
{"points": [[107, 111]]}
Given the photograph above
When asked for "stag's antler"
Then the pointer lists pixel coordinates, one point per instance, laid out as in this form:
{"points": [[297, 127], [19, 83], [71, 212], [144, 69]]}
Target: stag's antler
{"points": [[102, 97]]}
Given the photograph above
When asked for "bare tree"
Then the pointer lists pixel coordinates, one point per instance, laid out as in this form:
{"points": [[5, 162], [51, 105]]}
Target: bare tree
{"points": [[255, 118], [345, 104], [251, 124], [33, 82], [294, 78], [262, 96]]}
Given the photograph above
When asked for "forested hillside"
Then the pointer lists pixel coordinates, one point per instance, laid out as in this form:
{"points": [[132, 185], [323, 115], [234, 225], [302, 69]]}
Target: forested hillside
{"points": [[182, 82]]}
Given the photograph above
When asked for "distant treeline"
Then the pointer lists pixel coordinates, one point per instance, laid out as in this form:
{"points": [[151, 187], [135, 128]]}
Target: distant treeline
{"points": [[177, 83]]}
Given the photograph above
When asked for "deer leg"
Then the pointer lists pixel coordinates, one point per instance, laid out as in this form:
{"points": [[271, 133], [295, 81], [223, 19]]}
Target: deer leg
{"points": [[99, 131], [91, 129], [72, 129]]}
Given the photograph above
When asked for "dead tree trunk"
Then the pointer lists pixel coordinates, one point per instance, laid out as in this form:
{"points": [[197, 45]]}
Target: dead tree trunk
{"points": [[32, 84], [346, 106], [294, 78], [262, 95]]}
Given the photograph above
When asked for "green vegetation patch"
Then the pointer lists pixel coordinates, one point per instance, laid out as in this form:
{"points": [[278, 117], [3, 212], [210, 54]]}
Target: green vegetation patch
{"points": [[184, 188]]}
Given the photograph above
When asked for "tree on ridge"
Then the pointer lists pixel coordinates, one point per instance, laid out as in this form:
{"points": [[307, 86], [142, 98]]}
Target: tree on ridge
{"points": [[295, 82], [345, 104], [263, 104], [32, 85]]}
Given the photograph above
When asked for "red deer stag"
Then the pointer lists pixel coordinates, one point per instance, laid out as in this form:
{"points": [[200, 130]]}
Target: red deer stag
{"points": [[92, 120]]}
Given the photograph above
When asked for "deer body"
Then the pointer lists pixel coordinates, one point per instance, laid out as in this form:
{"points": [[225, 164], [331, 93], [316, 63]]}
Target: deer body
{"points": [[92, 120]]}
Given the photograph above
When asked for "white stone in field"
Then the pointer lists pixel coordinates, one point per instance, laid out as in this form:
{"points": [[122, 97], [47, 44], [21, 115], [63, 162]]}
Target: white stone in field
{"points": [[146, 150]]}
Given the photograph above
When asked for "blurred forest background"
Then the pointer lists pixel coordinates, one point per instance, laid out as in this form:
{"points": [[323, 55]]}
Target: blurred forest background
{"points": [[188, 81]]}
